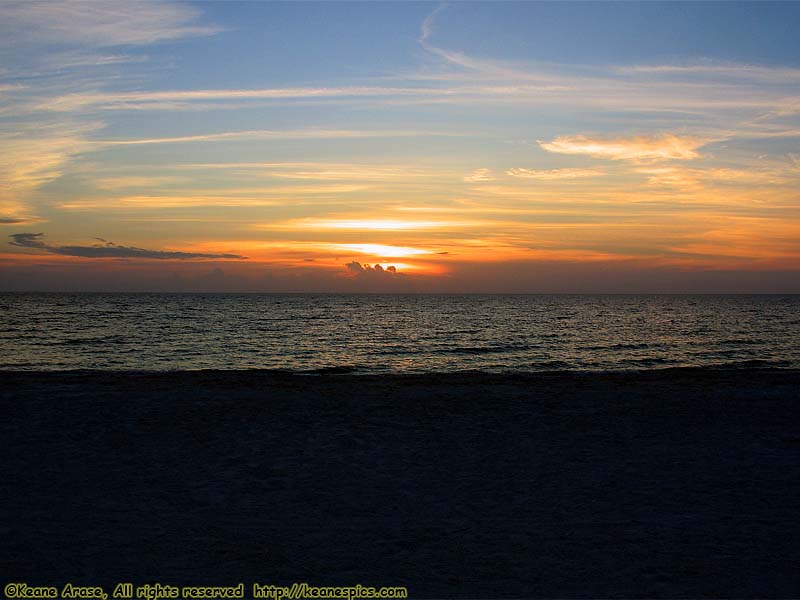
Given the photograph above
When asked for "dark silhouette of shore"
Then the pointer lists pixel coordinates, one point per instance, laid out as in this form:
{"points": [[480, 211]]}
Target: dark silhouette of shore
{"points": [[675, 483]]}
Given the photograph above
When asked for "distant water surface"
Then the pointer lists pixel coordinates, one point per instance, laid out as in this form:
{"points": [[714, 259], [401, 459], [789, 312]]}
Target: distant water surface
{"points": [[391, 333]]}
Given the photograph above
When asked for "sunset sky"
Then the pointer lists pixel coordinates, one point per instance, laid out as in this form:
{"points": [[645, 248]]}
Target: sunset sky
{"points": [[475, 147]]}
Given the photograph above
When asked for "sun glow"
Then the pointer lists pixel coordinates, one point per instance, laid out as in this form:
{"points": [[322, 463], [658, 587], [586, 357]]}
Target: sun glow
{"points": [[380, 250]]}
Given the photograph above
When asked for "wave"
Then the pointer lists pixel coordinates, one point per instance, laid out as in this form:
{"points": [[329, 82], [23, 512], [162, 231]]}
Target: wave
{"points": [[482, 349], [334, 370], [741, 342], [749, 364], [101, 339], [434, 350], [621, 346]]}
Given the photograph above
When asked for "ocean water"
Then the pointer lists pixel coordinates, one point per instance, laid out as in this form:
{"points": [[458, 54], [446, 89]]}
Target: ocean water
{"points": [[391, 333]]}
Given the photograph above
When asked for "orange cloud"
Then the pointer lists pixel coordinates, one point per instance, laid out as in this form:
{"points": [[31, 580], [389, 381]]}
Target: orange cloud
{"points": [[555, 173], [373, 224], [665, 146], [32, 157], [480, 175], [748, 239]]}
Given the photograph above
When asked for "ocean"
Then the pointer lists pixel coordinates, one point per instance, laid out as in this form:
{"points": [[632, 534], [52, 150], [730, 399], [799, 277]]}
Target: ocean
{"points": [[396, 333]]}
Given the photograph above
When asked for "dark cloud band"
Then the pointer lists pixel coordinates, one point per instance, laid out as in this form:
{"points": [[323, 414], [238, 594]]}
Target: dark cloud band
{"points": [[108, 250]]}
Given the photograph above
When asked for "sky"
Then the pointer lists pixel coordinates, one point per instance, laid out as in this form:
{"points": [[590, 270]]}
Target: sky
{"points": [[400, 147]]}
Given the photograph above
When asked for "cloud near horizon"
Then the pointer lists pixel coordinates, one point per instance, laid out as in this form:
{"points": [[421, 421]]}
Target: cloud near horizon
{"points": [[365, 270], [108, 250]]}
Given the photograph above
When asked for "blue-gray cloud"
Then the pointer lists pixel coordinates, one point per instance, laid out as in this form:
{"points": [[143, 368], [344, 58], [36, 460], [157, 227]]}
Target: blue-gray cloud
{"points": [[107, 249]]}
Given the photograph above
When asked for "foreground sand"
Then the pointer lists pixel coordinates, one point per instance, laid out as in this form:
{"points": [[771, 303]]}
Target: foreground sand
{"points": [[670, 484]]}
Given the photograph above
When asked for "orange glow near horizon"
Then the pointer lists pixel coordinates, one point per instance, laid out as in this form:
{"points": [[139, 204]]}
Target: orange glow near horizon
{"points": [[381, 250]]}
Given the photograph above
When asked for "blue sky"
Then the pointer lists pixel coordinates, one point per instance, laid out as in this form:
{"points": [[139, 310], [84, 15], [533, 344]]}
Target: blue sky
{"points": [[349, 40], [459, 142]]}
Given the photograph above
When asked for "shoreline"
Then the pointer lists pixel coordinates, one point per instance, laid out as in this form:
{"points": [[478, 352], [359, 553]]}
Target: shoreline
{"points": [[721, 370]]}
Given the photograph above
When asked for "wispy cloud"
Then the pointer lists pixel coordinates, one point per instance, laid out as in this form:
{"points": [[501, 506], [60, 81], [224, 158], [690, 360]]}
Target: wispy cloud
{"points": [[10, 87], [554, 173], [33, 156], [688, 178], [84, 58], [708, 88], [470, 80], [109, 250], [99, 24], [749, 72], [459, 59], [426, 29], [358, 224], [137, 181], [229, 197], [110, 100], [322, 171], [267, 134], [480, 175], [665, 146], [232, 98]]}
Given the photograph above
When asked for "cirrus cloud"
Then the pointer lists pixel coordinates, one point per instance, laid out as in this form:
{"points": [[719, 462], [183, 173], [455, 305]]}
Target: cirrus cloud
{"points": [[665, 146], [101, 24], [480, 175], [554, 173]]}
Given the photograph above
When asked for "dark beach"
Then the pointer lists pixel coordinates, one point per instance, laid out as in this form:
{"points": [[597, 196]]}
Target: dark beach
{"points": [[675, 483]]}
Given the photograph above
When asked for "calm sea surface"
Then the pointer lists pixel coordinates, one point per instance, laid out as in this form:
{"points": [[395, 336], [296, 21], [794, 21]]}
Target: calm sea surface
{"points": [[374, 333]]}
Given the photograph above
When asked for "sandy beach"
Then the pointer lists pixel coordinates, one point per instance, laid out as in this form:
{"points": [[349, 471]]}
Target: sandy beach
{"points": [[676, 483]]}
